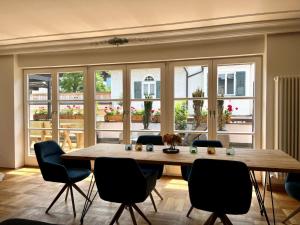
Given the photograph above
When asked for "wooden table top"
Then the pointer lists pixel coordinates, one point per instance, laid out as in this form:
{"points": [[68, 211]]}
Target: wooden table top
{"points": [[255, 159]]}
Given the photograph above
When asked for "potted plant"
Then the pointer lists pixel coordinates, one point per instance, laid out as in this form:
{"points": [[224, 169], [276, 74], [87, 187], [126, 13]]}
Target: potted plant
{"points": [[136, 115], [155, 116], [147, 111], [198, 105], [40, 114], [113, 114], [71, 112], [181, 115], [228, 113]]}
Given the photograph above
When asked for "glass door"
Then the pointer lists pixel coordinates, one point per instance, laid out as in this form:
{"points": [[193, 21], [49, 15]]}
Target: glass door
{"points": [[109, 106], [191, 100], [237, 122], [146, 114], [54, 100], [39, 106]]}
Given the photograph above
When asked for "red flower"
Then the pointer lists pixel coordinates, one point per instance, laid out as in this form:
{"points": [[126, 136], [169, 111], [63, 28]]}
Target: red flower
{"points": [[229, 108], [236, 108]]}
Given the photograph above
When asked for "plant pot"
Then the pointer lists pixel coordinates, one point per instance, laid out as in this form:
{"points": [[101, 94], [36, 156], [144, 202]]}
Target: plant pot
{"points": [[113, 118], [40, 116], [155, 119], [136, 118]]}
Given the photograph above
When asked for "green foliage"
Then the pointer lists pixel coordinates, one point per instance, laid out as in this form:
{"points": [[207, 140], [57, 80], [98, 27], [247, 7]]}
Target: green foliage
{"points": [[100, 85], [181, 115], [71, 82], [147, 111]]}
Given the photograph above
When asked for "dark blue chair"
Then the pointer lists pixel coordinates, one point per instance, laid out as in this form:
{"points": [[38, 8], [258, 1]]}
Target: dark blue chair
{"points": [[186, 170], [292, 187], [55, 169], [121, 180], [155, 140], [221, 187]]}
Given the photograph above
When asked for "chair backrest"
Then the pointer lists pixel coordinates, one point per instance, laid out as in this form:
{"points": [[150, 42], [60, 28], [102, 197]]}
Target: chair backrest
{"points": [[220, 186], [292, 184], [119, 180], [208, 143], [150, 139], [48, 154]]}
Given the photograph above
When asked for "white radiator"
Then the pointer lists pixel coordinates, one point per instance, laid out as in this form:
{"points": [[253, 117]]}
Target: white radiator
{"points": [[287, 115]]}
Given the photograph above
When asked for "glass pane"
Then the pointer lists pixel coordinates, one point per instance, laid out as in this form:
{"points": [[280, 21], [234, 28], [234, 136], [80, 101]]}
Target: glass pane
{"points": [[109, 84], [115, 137], [188, 79], [190, 115], [71, 115], [145, 115], [221, 84], [40, 112], [134, 135], [145, 83], [235, 115], [71, 85], [109, 115], [237, 80], [230, 84], [236, 140], [71, 139], [38, 136], [39, 87]]}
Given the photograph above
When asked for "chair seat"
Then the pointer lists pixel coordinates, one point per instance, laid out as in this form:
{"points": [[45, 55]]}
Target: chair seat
{"points": [[293, 189], [78, 174]]}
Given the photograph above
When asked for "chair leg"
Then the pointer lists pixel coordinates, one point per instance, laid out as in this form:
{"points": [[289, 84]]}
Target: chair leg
{"points": [[153, 203], [80, 191], [159, 195], [57, 197], [211, 219], [132, 215], [292, 214], [189, 212], [73, 203], [67, 194], [225, 220], [118, 214], [141, 213]]}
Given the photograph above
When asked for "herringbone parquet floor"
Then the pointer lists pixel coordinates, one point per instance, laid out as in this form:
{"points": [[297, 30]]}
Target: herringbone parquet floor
{"points": [[24, 194]]}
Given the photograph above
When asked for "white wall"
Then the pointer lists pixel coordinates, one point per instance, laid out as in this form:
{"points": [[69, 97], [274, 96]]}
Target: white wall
{"points": [[11, 114]]}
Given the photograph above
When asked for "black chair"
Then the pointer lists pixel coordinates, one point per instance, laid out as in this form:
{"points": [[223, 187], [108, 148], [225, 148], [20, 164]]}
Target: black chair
{"points": [[292, 187], [221, 187], [186, 170], [17, 221], [121, 180], [155, 140], [55, 169]]}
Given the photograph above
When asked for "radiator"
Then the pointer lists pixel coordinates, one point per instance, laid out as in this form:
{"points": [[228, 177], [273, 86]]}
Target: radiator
{"points": [[287, 115]]}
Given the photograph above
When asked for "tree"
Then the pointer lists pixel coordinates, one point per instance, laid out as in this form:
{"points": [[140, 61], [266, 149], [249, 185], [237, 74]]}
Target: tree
{"points": [[71, 82], [100, 85]]}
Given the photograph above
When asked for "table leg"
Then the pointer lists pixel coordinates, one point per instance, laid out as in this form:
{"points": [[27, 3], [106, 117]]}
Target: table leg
{"points": [[259, 197], [271, 192], [89, 201]]}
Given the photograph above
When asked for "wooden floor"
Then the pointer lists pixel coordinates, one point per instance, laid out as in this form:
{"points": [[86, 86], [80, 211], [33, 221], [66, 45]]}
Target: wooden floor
{"points": [[24, 194]]}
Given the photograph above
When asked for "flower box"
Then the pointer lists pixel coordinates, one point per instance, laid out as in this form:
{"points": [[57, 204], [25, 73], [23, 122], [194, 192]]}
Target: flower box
{"points": [[155, 119], [113, 118], [40, 117], [68, 116], [136, 118]]}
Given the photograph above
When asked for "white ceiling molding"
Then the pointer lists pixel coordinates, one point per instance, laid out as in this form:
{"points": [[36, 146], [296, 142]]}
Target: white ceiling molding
{"points": [[150, 38]]}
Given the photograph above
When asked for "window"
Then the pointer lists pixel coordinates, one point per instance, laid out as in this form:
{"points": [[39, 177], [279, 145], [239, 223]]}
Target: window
{"points": [[147, 87], [232, 83]]}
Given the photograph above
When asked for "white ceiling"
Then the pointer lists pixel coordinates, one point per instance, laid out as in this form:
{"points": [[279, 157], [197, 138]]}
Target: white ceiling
{"points": [[24, 21]]}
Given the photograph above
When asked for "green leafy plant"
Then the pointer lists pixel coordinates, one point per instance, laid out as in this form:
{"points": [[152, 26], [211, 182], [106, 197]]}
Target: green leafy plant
{"points": [[41, 111], [71, 82], [181, 115], [100, 85], [147, 111]]}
